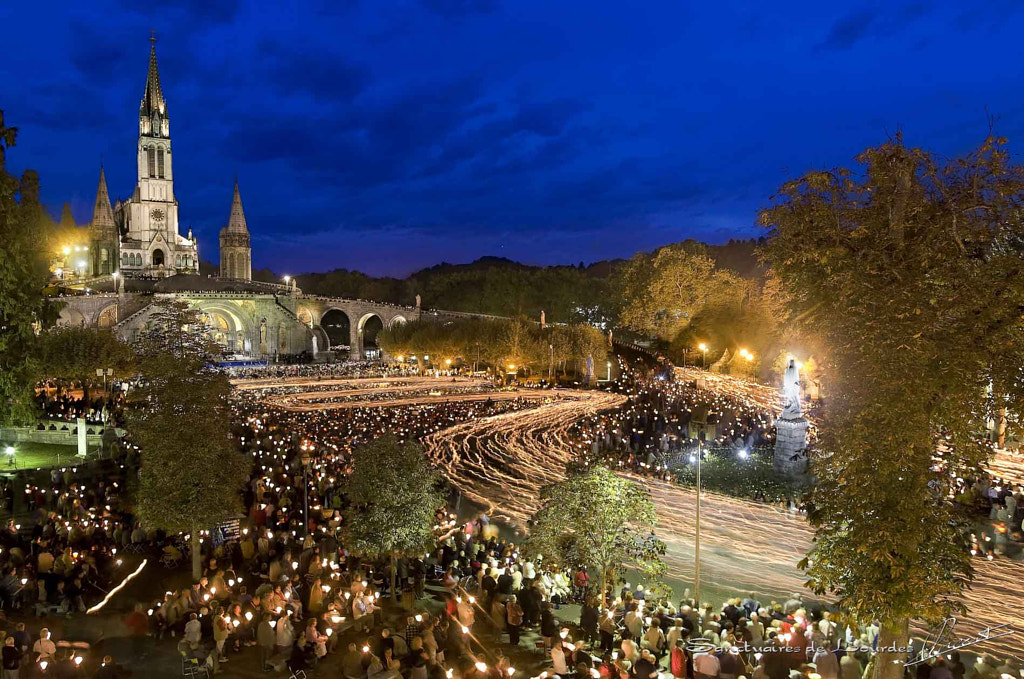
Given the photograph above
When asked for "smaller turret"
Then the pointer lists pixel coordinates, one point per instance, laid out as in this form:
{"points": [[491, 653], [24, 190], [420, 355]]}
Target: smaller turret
{"points": [[235, 249]]}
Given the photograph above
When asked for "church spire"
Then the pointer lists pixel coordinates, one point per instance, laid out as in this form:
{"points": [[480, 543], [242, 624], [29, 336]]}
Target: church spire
{"points": [[102, 215], [235, 248], [153, 97], [236, 221]]}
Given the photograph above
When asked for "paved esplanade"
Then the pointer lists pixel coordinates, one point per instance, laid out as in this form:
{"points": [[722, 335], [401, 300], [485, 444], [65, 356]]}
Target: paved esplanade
{"points": [[501, 462]]}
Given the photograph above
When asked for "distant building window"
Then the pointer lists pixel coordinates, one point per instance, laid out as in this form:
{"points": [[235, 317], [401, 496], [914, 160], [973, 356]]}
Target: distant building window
{"points": [[160, 163], [151, 159]]}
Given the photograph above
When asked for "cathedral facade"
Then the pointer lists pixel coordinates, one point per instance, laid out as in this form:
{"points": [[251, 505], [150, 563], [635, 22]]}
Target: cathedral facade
{"points": [[140, 237]]}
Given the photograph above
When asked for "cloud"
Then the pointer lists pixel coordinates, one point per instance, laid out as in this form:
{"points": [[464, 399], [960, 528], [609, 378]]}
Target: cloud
{"points": [[848, 30], [98, 55], [856, 26], [216, 11], [456, 9], [321, 74], [188, 11]]}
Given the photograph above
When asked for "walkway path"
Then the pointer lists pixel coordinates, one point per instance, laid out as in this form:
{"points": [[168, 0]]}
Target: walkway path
{"points": [[502, 462]]}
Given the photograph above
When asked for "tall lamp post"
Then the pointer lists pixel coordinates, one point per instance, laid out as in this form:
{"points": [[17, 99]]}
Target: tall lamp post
{"points": [[305, 485], [696, 541], [609, 378], [704, 355]]}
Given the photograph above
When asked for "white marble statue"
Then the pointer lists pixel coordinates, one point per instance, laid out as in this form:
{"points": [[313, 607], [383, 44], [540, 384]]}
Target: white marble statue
{"points": [[315, 349], [791, 392]]}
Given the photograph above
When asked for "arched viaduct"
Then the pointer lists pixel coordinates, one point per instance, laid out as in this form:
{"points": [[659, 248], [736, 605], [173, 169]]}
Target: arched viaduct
{"points": [[258, 323]]}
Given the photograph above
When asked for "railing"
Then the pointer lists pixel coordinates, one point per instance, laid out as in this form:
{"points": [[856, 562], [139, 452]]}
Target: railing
{"points": [[465, 314], [324, 298], [260, 284], [124, 322]]}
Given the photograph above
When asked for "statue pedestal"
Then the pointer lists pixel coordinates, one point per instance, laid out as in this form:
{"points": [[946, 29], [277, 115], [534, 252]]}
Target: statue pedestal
{"points": [[791, 447]]}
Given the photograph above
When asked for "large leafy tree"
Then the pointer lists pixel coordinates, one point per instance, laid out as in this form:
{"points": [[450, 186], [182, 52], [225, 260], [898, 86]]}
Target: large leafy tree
{"points": [[192, 470], [663, 292], [23, 275], [393, 495], [75, 353], [909, 269], [598, 519]]}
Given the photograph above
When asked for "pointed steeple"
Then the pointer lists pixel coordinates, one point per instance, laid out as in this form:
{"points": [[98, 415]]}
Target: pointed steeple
{"points": [[236, 221], [235, 247], [153, 97], [102, 214]]}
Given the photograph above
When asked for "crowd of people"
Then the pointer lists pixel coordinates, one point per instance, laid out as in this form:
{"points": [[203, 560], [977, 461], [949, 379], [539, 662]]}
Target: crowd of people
{"points": [[68, 402], [289, 589], [663, 420], [325, 371]]}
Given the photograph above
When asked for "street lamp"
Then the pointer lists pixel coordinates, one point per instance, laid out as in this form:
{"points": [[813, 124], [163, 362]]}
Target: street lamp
{"points": [[704, 355], [10, 455], [104, 373], [696, 541], [305, 484]]}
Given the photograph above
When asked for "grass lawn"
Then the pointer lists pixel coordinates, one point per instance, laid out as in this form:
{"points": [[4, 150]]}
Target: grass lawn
{"points": [[28, 455]]}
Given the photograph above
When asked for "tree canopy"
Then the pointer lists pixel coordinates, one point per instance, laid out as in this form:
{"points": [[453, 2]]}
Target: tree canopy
{"points": [[662, 292], [600, 520], [909, 270], [23, 275], [75, 353], [192, 470], [518, 342], [393, 494]]}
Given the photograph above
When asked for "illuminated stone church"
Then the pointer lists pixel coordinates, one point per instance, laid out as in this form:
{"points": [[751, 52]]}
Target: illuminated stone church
{"points": [[139, 237]]}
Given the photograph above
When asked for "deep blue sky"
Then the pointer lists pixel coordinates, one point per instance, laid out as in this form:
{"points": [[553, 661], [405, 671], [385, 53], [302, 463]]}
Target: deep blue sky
{"points": [[389, 135]]}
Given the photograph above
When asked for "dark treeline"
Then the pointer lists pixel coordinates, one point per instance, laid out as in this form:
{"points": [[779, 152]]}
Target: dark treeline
{"points": [[494, 285]]}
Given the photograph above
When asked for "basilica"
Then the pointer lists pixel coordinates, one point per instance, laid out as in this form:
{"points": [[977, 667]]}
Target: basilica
{"points": [[139, 237], [133, 255]]}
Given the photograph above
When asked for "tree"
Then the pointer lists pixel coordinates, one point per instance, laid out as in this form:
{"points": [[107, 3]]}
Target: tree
{"points": [[393, 495], [23, 275], [192, 471], [910, 273], [661, 293], [75, 353], [599, 519], [518, 345]]}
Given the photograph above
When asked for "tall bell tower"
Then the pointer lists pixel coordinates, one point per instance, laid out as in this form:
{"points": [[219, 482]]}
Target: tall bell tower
{"points": [[158, 209], [153, 245]]}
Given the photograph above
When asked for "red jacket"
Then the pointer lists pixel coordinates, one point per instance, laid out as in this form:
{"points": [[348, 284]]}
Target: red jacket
{"points": [[677, 663]]}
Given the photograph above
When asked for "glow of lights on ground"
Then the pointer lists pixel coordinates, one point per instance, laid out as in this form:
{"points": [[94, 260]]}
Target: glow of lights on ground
{"points": [[501, 462]]}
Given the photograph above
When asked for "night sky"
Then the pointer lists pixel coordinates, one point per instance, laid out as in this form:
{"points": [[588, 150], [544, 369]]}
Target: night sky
{"points": [[386, 136]]}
